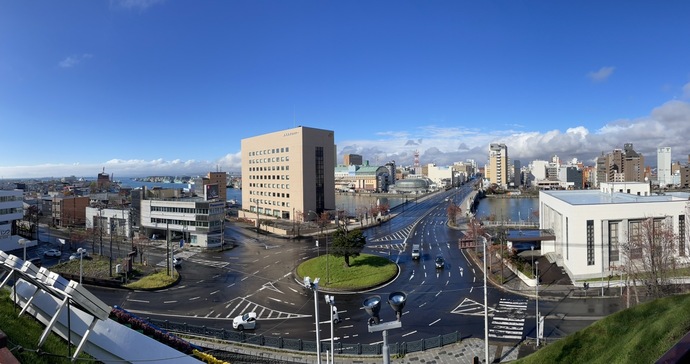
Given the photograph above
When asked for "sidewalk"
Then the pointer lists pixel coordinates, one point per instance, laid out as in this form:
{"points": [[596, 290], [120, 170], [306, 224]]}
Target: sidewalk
{"points": [[461, 352]]}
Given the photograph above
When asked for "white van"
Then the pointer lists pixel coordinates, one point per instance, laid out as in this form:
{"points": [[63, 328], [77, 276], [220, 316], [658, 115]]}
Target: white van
{"points": [[415, 251]]}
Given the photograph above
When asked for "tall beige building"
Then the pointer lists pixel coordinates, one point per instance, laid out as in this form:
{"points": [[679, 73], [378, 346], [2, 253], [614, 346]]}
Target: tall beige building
{"points": [[497, 169], [288, 173]]}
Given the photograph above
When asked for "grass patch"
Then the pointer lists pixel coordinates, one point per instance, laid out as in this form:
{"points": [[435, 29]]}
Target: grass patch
{"points": [[25, 331], [154, 281], [365, 271], [141, 277], [641, 334]]}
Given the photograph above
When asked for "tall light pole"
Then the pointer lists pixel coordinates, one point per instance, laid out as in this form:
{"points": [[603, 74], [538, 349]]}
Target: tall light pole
{"points": [[81, 252], [23, 243], [314, 286], [532, 249], [331, 302], [486, 310], [537, 306]]}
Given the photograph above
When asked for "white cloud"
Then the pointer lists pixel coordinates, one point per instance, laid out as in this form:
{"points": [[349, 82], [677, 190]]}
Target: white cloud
{"points": [[74, 60], [667, 125], [601, 75]]}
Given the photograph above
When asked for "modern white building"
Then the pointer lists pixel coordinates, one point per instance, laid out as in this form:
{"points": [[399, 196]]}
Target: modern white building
{"points": [[11, 211], [663, 166], [591, 226], [197, 221]]}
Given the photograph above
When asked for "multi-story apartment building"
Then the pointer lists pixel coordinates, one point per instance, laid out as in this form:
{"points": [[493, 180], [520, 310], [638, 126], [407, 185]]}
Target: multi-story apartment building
{"points": [[69, 211], [621, 165], [497, 169], [352, 160], [288, 173]]}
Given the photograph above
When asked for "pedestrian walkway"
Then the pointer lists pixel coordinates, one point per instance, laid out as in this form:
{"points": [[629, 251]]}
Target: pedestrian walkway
{"points": [[460, 353]]}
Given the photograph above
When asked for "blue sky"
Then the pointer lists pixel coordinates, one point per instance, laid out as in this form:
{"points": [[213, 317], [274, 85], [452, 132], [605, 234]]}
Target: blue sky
{"points": [[151, 87]]}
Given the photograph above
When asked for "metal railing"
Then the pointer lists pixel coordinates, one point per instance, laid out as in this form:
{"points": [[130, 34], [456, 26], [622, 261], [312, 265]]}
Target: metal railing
{"points": [[306, 345]]}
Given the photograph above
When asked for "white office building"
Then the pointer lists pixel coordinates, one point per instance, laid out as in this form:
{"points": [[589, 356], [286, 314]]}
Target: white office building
{"points": [[11, 211], [663, 166], [592, 226]]}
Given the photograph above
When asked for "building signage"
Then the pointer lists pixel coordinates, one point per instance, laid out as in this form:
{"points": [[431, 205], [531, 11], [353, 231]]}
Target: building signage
{"points": [[5, 234]]}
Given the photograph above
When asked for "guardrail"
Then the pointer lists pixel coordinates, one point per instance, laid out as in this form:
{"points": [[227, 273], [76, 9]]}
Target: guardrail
{"points": [[511, 223], [306, 345]]}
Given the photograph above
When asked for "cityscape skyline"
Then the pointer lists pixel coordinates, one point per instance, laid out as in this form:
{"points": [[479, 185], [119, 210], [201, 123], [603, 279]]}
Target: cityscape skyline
{"points": [[154, 87]]}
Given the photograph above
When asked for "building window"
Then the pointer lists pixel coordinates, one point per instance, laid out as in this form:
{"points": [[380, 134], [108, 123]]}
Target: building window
{"points": [[635, 228], [614, 252], [590, 242], [681, 235]]}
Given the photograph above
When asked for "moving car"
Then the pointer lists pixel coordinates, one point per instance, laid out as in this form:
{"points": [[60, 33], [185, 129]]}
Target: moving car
{"points": [[439, 261], [177, 262], [415, 251], [246, 321], [53, 253]]}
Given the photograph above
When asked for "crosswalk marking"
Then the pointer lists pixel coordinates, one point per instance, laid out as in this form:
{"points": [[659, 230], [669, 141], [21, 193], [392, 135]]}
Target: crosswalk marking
{"points": [[395, 235], [242, 305], [509, 320], [472, 308]]}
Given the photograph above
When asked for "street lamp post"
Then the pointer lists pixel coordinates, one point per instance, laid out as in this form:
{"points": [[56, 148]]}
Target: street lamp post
{"points": [[314, 286], [486, 309], [81, 252], [532, 249], [537, 306], [373, 305], [23, 243], [331, 302]]}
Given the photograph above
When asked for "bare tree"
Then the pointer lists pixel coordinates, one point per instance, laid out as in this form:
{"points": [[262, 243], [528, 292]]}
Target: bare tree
{"points": [[383, 208], [650, 253], [373, 211], [453, 211], [361, 213]]}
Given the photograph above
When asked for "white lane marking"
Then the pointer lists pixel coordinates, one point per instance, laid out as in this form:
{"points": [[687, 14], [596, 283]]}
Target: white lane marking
{"points": [[214, 292], [434, 322], [410, 333], [133, 300]]}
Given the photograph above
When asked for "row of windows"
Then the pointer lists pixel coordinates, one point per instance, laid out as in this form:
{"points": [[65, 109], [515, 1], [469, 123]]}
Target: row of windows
{"points": [[268, 176], [270, 151], [185, 210], [13, 210], [590, 242], [270, 194], [269, 168], [269, 160], [270, 185], [179, 222], [268, 202], [10, 198]]}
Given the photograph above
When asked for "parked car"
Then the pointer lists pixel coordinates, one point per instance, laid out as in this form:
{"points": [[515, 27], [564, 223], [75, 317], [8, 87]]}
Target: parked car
{"points": [[439, 261], [53, 253], [246, 321], [84, 255]]}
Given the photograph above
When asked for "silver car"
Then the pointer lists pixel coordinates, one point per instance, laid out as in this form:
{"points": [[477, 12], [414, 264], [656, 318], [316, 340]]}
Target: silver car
{"points": [[246, 321]]}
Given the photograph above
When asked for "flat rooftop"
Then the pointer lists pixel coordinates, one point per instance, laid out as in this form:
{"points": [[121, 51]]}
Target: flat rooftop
{"points": [[596, 197]]}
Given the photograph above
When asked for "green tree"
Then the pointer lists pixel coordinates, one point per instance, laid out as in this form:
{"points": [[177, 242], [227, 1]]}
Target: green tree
{"points": [[347, 244]]}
